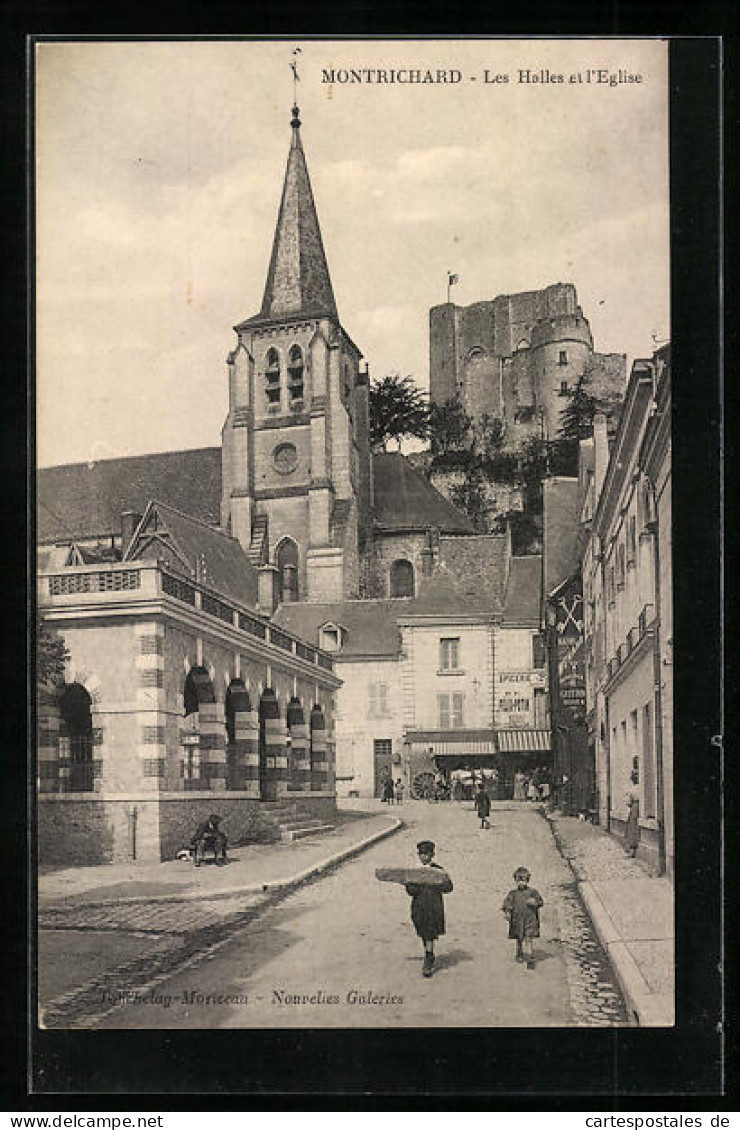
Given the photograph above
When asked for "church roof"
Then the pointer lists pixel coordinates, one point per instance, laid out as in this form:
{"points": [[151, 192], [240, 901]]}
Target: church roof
{"points": [[298, 282], [86, 500], [406, 500], [522, 601], [215, 558]]}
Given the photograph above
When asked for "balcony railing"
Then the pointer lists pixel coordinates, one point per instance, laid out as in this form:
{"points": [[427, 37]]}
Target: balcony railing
{"points": [[148, 580]]}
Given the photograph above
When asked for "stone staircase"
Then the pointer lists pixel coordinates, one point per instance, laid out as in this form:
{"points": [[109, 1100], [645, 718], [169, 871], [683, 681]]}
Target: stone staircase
{"points": [[291, 822]]}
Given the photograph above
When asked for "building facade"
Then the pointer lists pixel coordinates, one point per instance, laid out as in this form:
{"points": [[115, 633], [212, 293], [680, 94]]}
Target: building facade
{"points": [[627, 588]]}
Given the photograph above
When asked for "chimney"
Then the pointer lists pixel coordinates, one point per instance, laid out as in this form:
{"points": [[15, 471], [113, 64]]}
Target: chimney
{"points": [[129, 521]]}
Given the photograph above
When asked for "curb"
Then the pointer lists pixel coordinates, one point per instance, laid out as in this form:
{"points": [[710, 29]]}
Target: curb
{"points": [[248, 889], [644, 1008]]}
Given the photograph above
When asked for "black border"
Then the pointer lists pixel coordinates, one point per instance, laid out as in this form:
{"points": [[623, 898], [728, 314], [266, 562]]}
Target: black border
{"points": [[568, 1069]]}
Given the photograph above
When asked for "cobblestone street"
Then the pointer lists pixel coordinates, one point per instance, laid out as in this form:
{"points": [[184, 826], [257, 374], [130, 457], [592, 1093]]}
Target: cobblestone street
{"points": [[230, 963]]}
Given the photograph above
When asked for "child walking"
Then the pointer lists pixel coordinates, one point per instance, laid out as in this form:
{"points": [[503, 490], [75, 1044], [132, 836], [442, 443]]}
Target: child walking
{"points": [[522, 907], [427, 906], [483, 805]]}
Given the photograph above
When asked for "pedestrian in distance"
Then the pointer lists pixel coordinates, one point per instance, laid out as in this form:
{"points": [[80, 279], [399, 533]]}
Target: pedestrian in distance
{"points": [[632, 827], [427, 905], [388, 790], [483, 805], [533, 788], [520, 782], [399, 791], [522, 908]]}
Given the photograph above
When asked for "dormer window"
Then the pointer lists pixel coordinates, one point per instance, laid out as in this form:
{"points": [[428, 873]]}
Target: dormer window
{"points": [[332, 637], [272, 378], [295, 376]]}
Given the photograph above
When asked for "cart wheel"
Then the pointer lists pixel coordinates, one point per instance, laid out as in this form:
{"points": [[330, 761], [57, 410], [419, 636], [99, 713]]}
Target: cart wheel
{"points": [[422, 786]]}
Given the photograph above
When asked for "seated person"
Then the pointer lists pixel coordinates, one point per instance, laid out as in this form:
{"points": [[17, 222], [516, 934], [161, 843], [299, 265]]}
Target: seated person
{"points": [[209, 835]]}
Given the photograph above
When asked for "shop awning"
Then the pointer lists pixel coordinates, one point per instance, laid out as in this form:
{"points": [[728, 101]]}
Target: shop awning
{"points": [[523, 741], [453, 743]]}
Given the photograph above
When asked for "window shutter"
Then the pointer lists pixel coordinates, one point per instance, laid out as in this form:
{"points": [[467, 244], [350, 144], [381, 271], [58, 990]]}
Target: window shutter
{"points": [[383, 698], [444, 711], [373, 691], [457, 711]]}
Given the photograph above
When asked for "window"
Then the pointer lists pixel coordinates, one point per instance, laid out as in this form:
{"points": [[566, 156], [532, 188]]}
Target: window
{"points": [[632, 541], [402, 579], [331, 637], [287, 565], [648, 760], [450, 711], [620, 567], [378, 698], [538, 651], [295, 376], [564, 390], [563, 359], [449, 654], [272, 378]]}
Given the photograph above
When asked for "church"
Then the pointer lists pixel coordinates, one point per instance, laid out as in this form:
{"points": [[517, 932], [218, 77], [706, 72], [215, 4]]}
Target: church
{"points": [[208, 597]]}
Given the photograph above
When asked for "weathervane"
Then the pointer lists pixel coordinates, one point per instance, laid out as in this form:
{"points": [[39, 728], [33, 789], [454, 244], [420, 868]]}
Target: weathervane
{"points": [[296, 76]]}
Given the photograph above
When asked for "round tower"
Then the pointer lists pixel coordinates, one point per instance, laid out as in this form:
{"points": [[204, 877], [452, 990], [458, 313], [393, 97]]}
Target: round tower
{"points": [[560, 352]]}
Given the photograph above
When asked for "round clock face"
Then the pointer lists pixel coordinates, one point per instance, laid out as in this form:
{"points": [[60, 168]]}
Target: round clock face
{"points": [[285, 458]]}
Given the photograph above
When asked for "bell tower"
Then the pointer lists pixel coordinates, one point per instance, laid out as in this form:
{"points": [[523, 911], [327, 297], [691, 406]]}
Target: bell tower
{"points": [[297, 483]]}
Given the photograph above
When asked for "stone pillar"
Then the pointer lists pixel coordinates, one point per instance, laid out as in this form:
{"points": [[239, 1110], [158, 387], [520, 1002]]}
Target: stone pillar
{"points": [[48, 764], [246, 769], [319, 763], [212, 746], [299, 762], [150, 708]]}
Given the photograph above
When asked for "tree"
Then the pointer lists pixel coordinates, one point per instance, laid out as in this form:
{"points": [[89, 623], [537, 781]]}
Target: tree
{"points": [[398, 410], [51, 653], [450, 427], [576, 423]]}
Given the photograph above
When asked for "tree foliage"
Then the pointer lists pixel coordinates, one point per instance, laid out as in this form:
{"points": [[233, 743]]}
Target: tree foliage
{"points": [[450, 427], [398, 410], [51, 653]]}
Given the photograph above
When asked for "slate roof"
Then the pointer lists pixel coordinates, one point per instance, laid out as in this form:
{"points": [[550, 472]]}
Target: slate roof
{"points": [[85, 500], [478, 564], [371, 625], [217, 558], [298, 281], [561, 504], [406, 500], [522, 601]]}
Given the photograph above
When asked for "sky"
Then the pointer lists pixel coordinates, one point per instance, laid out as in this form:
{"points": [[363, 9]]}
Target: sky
{"points": [[159, 168]]}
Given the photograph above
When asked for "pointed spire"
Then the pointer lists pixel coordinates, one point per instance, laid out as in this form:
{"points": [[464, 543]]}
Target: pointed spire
{"points": [[298, 279]]}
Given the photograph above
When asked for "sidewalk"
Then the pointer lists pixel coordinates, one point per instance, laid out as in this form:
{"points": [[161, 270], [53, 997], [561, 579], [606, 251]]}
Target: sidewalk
{"points": [[107, 927], [633, 913], [251, 869]]}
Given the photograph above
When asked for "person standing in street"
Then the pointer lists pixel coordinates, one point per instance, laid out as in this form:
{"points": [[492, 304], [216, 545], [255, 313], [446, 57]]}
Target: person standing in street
{"points": [[520, 782], [632, 827], [483, 805], [387, 796], [522, 907], [427, 906], [399, 791]]}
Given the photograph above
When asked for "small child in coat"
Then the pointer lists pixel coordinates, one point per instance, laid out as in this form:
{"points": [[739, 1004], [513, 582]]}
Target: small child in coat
{"points": [[522, 907], [483, 806], [427, 906]]}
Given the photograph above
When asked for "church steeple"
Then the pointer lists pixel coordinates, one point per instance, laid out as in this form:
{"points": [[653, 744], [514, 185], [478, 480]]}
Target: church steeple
{"points": [[298, 280]]}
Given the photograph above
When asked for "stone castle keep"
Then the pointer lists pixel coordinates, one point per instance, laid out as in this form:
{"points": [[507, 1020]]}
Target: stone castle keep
{"points": [[517, 358]]}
